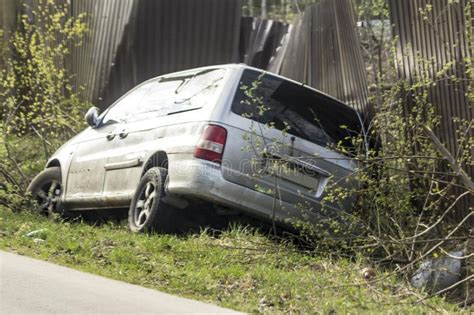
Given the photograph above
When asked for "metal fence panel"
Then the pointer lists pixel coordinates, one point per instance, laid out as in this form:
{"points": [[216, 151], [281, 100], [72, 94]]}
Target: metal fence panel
{"points": [[323, 51], [8, 13], [259, 40], [170, 35], [92, 61], [430, 35]]}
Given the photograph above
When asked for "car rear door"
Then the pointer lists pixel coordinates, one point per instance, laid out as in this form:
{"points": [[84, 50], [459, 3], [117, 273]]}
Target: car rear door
{"points": [[281, 138]]}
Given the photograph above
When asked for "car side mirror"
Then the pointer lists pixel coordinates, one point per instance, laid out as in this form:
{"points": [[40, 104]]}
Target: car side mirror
{"points": [[92, 117]]}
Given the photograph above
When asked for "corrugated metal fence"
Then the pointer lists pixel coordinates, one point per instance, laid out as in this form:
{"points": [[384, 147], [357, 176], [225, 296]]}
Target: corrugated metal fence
{"points": [[259, 41], [92, 61], [134, 40], [324, 52], [171, 35], [436, 32], [8, 12]]}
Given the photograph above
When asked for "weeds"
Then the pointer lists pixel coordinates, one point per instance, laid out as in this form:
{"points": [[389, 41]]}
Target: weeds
{"points": [[240, 268]]}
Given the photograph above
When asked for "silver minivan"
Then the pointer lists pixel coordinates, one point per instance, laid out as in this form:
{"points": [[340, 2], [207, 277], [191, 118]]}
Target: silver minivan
{"points": [[232, 135]]}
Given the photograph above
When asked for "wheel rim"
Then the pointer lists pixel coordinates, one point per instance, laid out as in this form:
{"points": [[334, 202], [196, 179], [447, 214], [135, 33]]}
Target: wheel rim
{"points": [[144, 204], [48, 195]]}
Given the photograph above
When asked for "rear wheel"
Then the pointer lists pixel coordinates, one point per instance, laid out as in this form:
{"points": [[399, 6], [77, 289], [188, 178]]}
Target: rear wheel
{"points": [[46, 189], [147, 211]]}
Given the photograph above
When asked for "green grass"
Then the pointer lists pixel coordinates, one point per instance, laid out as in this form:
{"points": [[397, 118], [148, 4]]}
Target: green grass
{"points": [[240, 269]]}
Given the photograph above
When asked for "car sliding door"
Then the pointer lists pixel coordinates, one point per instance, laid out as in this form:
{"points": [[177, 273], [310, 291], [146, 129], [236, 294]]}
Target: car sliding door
{"points": [[123, 163]]}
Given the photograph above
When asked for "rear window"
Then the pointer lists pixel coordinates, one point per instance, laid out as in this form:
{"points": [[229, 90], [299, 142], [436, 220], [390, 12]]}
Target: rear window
{"points": [[296, 109], [175, 94], [166, 96]]}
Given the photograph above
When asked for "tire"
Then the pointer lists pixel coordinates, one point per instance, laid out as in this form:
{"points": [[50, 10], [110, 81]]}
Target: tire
{"points": [[46, 190], [147, 211]]}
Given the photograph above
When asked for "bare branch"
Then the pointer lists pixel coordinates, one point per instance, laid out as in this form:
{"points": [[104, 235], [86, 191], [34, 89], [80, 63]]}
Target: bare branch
{"points": [[466, 180]]}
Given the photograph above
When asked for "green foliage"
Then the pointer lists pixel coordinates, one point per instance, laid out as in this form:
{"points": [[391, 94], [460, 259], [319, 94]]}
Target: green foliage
{"points": [[406, 192], [399, 186], [239, 269], [405, 184], [40, 108]]}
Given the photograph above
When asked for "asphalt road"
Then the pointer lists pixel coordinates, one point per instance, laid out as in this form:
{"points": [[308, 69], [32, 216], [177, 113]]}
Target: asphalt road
{"points": [[31, 286]]}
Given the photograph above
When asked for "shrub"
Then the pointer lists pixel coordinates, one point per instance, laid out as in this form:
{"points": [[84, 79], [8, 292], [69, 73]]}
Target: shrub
{"points": [[40, 107]]}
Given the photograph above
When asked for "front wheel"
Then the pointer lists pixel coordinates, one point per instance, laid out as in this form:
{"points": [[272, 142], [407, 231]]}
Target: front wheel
{"points": [[46, 189], [147, 211]]}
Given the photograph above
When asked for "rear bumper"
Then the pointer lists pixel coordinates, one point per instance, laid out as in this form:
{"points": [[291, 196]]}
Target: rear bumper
{"points": [[190, 177]]}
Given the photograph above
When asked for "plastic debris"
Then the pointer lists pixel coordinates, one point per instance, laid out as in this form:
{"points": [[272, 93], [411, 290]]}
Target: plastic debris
{"points": [[438, 274], [36, 233]]}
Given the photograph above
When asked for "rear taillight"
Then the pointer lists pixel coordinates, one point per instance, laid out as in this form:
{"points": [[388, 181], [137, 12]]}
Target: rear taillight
{"points": [[211, 145]]}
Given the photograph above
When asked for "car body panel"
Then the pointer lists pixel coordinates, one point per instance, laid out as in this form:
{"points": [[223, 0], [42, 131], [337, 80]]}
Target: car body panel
{"points": [[103, 173]]}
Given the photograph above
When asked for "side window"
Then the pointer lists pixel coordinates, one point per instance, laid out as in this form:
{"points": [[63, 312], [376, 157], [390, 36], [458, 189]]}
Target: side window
{"points": [[125, 110]]}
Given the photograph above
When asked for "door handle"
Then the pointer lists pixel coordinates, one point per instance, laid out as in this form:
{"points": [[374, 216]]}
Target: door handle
{"points": [[110, 136], [123, 134]]}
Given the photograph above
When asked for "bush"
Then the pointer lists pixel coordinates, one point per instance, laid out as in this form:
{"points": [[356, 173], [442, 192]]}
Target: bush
{"points": [[40, 107]]}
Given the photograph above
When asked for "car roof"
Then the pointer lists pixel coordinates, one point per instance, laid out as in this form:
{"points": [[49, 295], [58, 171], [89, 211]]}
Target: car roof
{"points": [[242, 66]]}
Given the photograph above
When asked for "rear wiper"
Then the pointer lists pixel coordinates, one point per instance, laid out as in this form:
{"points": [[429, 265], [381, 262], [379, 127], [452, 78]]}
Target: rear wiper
{"points": [[183, 110], [184, 79]]}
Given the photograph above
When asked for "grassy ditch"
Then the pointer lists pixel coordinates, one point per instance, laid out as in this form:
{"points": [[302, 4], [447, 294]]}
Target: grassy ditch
{"points": [[239, 269]]}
